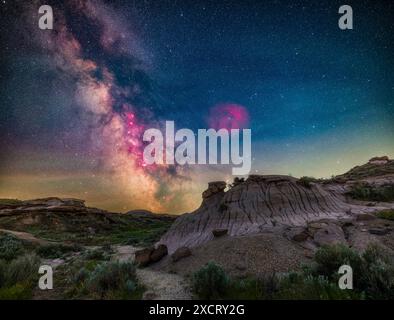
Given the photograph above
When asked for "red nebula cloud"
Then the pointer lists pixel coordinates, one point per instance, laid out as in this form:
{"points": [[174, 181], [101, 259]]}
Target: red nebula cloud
{"points": [[228, 116]]}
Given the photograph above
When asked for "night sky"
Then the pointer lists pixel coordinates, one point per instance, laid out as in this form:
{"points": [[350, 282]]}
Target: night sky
{"points": [[76, 99]]}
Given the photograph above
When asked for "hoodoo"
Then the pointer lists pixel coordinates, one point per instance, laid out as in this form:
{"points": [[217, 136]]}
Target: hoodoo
{"points": [[252, 206]]}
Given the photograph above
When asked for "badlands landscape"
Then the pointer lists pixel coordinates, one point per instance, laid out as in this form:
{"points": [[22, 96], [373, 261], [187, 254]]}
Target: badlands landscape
{"points": [[262, 237]]}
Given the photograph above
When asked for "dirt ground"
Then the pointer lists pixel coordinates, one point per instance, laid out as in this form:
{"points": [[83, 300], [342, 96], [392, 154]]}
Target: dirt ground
{"points": [[265, 253]]}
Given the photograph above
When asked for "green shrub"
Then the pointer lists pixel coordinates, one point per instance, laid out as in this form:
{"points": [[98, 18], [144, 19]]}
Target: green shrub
{"points": [[53, 251], [298, 286], [18, 277], [21, 270], [3, 270], [16, 292], [306, 181], [386, 214], [81, 276], [377, 278], [113, 280], [373, 278], [10, 247], [369, 193], [373, 271], [328, 259], [96, 254], [210, 282], [261, 288]]}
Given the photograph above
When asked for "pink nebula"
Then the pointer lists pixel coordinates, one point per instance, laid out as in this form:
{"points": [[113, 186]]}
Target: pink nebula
{"points": [[228, 116]]}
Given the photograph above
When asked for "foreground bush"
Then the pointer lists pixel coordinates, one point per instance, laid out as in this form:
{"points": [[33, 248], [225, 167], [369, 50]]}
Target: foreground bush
{"points": [[10, 247], [16, 292], [106, 280], [377, 278], [22, 269], [261, 288], [373, 271], [18, 277], [210, 282], [328, 259], [373, 278], [300, 286]]}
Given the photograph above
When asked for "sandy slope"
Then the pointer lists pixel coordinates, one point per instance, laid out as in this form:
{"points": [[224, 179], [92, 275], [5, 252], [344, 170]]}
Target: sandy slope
{"points": [[25, 236], [160, 285]]}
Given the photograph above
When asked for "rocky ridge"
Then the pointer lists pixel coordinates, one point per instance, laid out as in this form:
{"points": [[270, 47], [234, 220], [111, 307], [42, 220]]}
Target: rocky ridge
{"points": [[264, 203]]}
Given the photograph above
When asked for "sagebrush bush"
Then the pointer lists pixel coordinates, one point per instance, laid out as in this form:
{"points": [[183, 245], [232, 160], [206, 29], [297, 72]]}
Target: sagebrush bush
{"points": [[328, 259], [373, 271], [3, 270], [377, 277], [210, 282], [18, 277], [81, 275], [373, 278], [113, 280], [10, 247], [260, 288], [22, 269], [298, 286]]}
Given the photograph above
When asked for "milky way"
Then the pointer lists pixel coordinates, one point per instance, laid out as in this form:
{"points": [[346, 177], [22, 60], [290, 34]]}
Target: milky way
{"points": [[116, 109]]}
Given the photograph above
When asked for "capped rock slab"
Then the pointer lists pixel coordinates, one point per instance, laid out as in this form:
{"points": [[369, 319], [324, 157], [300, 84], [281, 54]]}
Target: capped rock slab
{"points": [[254, 205]]}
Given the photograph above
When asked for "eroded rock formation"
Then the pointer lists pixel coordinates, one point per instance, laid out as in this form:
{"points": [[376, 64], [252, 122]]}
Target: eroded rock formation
{"points": [[258, 204]]}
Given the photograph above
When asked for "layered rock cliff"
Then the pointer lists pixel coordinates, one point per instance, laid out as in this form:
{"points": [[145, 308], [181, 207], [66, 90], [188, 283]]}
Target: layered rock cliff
{"points": [[257, 204]]}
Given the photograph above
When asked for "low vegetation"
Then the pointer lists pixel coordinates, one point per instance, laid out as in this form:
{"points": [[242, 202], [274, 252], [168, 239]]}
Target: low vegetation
{"points": [[210, 282], [87, 230], [307, 181], [54, 251], [10, 247], [103, 254], [369, 193], [373, 273], [18, 269], [386, 214], [18, 277], [93, 279], [84, 274], [9, 202], [367, 170]]}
